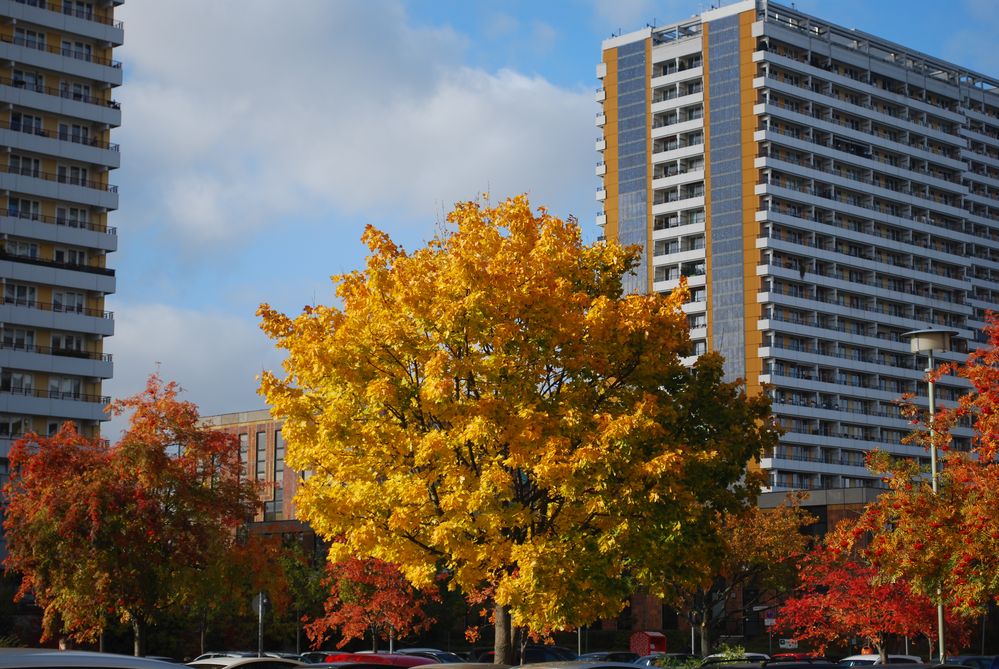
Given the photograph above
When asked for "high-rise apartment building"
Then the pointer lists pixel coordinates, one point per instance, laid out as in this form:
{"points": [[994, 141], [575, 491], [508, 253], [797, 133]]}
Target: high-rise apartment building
{"points": [[57, 75], [824, 191]]}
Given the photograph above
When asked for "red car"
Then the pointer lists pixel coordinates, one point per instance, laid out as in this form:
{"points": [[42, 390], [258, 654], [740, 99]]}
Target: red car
{"points": [[389, 659]]}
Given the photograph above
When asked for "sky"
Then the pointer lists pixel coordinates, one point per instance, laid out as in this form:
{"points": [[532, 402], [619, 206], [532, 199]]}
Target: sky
{"points": [[259, 138]]}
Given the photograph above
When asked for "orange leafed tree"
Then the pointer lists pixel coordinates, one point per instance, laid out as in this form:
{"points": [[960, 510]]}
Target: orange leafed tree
{"points": [[493, 405], [102, 532], [370, 596], [758, 553]]}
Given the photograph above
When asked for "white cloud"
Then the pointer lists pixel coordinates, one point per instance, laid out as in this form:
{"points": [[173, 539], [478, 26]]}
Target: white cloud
{"points": [[267, 115], [214, 357]]}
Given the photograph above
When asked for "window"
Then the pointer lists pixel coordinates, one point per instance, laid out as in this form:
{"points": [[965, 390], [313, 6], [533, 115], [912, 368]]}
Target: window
{"points": [[18, 339], [19, 294], [78, 50], [33, 81], [64, 300], [65, 387], [72, 175], [17, 382], [65, 342], [29, 38], [261, 456], [30, 167], [74, 217], [244, 453], [26, 123], [20, 249], [74, 90], [69, 256], [14, 426], [21, 208], [74, 132], [82, 10], [700, 347], [273, 509]]}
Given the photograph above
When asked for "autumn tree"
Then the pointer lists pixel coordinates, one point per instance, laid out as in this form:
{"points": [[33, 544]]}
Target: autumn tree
{"points": [[842, 596], [102, 532], [757, 557], [948, 540], [370, 596], [492, 405]]}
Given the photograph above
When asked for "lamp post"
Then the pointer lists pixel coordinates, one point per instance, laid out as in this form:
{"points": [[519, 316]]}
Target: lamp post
{"points": [[927, 341]]}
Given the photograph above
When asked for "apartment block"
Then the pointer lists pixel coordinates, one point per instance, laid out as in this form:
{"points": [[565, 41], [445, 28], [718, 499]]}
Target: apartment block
{"points": [[57, 79], [824, 192], [261, 450]]}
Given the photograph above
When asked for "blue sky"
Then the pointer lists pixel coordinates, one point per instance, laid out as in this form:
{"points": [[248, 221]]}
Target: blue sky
{"points": [[260, 137]]}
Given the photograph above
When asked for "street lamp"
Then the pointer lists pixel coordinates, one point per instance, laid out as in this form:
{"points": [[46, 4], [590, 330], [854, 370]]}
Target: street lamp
{"points": [[927, 341]]}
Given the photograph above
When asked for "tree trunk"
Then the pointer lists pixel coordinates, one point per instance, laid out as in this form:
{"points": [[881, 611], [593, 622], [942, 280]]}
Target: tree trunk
{"points": [[138, 639], [204, 625], [374, 639], [705, 631], [504, 636], [100, 642]]}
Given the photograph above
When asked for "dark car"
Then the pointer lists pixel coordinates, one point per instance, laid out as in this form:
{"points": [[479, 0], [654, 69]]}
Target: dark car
{"points": [[975, 661], [382, 659], [609, 656], [47, 658], [434, 654], [667, 659], [533, 654]]}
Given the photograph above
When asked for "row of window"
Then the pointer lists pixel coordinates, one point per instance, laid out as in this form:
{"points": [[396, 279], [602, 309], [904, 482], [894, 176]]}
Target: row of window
{"points": [[273, 507]]}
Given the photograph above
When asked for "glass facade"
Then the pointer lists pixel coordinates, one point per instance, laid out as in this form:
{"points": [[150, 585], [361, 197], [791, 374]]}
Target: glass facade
{"points": [[632, 133], [727, 310]]}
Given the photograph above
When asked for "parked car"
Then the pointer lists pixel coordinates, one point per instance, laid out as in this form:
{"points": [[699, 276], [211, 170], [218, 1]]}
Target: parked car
{"points": [[434, 654], [721, 658], [666, 659], [974, 661], [383, 659], [867, 659], [313, 656], [47, 658], [245, 663], [581, 664], [533, 654], [224, 653], [609, 656]]}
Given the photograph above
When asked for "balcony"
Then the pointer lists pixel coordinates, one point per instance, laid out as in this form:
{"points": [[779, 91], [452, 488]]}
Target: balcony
{"points": [[63, 136], [62, 93], [76, 54], [601, 119], [62, 179], [86, 13], [56, 220], [104, 271]]}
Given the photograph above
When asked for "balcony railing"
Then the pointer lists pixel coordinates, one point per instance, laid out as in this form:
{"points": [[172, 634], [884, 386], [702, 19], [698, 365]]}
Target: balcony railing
{"points": [[49, 350], [48, 176], [59, 220], [62, 93], [85, 13], [78, 54], [57, 308], [63, 136], [59, 265], [56, 395]]}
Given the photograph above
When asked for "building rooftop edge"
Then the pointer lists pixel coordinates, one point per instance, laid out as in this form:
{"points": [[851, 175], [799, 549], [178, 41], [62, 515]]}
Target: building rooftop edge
{"points": [[238, 418]]}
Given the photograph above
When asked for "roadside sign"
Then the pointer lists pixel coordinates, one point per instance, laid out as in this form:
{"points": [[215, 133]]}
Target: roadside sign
{"points": [[770, 618], [789, 644]]}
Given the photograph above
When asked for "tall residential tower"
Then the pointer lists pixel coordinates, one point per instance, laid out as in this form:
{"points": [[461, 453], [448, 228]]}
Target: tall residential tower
{"points": [[824, 191], [57, 74]]}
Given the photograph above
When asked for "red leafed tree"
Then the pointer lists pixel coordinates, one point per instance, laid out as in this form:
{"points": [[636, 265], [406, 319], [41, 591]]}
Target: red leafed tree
{"points": [[373, 596], [841, 596], [124, 532], [948, 539]]}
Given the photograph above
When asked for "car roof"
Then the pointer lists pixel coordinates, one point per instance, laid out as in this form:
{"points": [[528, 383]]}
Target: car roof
{"points": [[48, 657], [258, 662], [390, 659], [578, 664]]}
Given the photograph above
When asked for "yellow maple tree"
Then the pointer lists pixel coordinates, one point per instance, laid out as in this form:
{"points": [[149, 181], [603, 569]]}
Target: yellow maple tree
{"points": [[491, 405]]}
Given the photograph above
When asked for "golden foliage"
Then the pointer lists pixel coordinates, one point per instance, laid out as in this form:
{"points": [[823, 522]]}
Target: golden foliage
{"points": [[492, 405]]}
